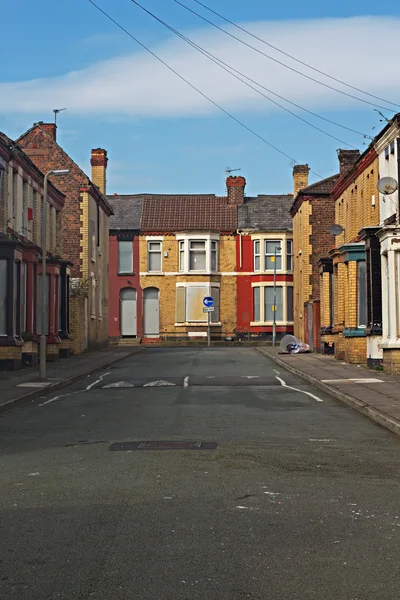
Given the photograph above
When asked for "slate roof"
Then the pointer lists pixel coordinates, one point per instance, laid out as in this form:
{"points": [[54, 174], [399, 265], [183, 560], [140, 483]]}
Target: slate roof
{"points": [[321, 187], [179, 213], [266, 213], [127, 211]]}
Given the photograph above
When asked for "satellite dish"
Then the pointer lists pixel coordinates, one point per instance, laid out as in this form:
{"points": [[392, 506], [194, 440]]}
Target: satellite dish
{"points": [[387, 185], [336, 229]]}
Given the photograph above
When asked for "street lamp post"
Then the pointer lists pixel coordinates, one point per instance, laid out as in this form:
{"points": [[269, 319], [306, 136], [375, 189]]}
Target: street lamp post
{"points": [[42, 347], [274, 306]]}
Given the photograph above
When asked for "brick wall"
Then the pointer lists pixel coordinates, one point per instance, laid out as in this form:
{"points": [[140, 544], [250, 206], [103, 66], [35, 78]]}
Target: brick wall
{"points": [[321, 240], [391, 361], [355, 350], [4, 201], [302, 264]]}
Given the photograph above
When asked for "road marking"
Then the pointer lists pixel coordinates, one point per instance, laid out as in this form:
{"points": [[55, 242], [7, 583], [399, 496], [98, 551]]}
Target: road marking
{"points": [[250, 376], [277, 372], [289, 387], [52, 399], [186, 381], [35, 384], [364, 380], [118, 384], [89, 387], [322, 440], [159, 383]]}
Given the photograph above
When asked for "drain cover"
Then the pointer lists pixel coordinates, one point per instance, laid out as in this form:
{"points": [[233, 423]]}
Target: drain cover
{"points": [[126, 446]]}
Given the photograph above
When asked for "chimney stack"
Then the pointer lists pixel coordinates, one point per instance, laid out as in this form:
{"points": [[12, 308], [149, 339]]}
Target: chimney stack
{"points": [[99, 162], [235, 186], [50, 128], [347, 158], [300, 178]]}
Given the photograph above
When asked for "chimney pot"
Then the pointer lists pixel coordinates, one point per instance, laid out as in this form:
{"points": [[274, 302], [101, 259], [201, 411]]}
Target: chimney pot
{"points": [[235, 186]]}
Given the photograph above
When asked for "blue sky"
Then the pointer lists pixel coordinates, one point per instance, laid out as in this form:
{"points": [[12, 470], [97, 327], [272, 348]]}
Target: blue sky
{"points": [[163, 137]]}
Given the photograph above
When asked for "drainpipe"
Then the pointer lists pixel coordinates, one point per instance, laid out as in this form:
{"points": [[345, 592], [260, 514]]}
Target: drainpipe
{"points": [[398, 179], [240, 234]]}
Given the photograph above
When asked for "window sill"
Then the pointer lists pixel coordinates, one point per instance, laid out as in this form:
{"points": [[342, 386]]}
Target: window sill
{"points": [[93, 317], [270, 323], [199, 272], [126, 274], [197, 324]]}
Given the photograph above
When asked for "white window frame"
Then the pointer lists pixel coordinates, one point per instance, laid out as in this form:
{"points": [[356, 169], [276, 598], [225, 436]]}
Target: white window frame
{"points": [[120, 271], [259, 251], [267, 284], [208, 286], [211, 246], [279, 253], [152, 240]]}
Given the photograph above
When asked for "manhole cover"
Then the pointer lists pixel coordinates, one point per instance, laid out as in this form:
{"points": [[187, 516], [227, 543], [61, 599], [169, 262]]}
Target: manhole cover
{"points": [[127, 446]]}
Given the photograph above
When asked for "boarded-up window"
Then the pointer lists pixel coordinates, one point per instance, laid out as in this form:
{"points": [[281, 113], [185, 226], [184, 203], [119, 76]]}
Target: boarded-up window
{"points": [[180, 304], [194, 304]]}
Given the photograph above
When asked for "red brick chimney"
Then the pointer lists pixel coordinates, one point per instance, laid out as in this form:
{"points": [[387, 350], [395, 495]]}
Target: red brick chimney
{"points": [[300, 178], [50, 128], [99, 162], [347, 158], [235, 186]]}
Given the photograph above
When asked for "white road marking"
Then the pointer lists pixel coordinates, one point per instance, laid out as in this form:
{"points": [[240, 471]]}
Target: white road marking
{"points": [[186, 381], [243, 507], [89, 387], [52, 399], [118, 384], [33, 474], [35, 384], [159, 383], [284, 384], [364, 380], [250, 376], [323, 440], [277, 372]]}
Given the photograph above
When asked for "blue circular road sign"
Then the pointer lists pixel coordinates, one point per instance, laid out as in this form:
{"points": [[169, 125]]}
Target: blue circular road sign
{"points": [[208, 301]]}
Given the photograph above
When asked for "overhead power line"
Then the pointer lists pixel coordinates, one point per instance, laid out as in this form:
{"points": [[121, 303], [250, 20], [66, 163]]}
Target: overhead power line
{"points": [[228, 114], [228, 68], [298, 60], [326, 85]]}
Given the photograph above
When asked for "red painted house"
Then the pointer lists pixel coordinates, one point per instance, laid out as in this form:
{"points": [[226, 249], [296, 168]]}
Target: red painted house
{"points": [[125, 294], [264, 223]]}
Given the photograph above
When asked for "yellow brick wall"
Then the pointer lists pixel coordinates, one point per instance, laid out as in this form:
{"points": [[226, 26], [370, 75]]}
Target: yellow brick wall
{"points": [[167, 283], [355, 350], [325, 306], [391, 361], [351, 313], [302, 265]]}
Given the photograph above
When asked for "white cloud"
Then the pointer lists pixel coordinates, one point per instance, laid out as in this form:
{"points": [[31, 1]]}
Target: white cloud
{"points": [[363, 51]]}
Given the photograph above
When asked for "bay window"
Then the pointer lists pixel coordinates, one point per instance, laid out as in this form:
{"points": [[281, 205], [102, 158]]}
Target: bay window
{"points": [[257, 256], [198, 254], [272, 247], [362, 293], [263, 304], [289, 255], [280, 250], [189, 303]]}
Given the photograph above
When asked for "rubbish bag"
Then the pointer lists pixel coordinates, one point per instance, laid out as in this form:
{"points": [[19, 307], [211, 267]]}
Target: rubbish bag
{"points": [[291, 345]]}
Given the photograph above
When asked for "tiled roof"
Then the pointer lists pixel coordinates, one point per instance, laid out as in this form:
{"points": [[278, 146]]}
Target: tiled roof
{"points": [[321, 187], [179, 213], [266, 213], [127, 211]]}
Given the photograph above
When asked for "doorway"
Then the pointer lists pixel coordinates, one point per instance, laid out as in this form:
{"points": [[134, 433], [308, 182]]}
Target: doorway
{"points": [[128, 313], [151, 312]]}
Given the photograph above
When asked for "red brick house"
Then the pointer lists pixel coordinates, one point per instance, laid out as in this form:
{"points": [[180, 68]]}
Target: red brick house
{"points": [[84, 234], [21, 204], [125, 293], [264, 223]]}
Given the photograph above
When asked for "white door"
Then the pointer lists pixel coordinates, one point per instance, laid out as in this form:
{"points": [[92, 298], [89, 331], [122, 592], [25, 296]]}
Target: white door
{"points": [[128, 312], [151, 312]]}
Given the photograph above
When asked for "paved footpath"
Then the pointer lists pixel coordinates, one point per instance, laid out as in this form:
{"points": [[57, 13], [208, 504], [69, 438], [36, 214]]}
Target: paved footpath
{"points": [[20, 387], [371, 392]]}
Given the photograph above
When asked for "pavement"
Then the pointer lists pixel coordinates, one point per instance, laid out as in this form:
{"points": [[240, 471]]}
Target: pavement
{"points": [[371, 392], [19, 387], [295, 496]]}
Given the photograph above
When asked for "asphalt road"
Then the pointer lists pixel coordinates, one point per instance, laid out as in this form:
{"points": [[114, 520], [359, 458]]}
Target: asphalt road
{"points": [[300, 499]]}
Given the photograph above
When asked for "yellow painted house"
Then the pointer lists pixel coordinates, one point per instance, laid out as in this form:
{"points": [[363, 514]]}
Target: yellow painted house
{"points": [[188, 251]]}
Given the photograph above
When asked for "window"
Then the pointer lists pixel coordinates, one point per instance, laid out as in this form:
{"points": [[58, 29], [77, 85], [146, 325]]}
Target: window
{"points": [[60, 303], [39, 305], [387, 152], [93, 240], [289, 303], [270, 307], [14, 195], [93, 296], [100, 296], [25, 200], [256, 296], [181, 255], [263, 304], [189, 303], [289, 255], [257, 255], [3, 297], [17, 298], [125, 257], [197, 255], [214, 255], [392, 148], [272, 246], [154, 250], [23, 295], [362, 293]]}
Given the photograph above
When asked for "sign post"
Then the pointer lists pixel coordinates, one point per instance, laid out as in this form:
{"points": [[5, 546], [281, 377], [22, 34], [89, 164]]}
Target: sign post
{"points": [[208, 302]]}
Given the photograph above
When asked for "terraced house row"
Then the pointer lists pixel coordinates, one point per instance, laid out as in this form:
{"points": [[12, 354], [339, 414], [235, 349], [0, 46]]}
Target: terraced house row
{"points": [[168, 252], [347, 256]]}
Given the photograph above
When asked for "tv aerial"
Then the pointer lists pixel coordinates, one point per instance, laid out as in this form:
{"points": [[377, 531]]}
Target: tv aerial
{"points": [[56, 111], [387, 185], [229, 170]]}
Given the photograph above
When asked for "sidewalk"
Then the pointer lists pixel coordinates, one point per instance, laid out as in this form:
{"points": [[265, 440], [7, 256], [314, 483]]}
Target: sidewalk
{"points": [[372, 393], [19, 387]]}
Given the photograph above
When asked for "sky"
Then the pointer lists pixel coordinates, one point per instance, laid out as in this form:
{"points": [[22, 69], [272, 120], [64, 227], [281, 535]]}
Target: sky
{"points": [[162, 136]]}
